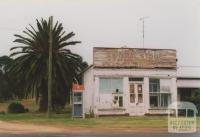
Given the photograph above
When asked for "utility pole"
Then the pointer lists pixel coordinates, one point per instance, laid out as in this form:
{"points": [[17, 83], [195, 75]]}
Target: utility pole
{"points": [[143, 23], [50, 69]]}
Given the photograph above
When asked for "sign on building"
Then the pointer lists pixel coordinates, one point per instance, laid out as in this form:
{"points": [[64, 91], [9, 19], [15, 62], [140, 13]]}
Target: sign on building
{"points": [[134, 58]]}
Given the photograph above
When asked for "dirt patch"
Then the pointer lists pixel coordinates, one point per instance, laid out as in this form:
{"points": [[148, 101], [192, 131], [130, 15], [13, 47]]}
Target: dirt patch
{"points": [[16, 127], [7, 127]]}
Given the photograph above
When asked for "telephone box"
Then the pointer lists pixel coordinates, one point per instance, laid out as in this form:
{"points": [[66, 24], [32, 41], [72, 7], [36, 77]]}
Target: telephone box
{"points": [[77, 100]]}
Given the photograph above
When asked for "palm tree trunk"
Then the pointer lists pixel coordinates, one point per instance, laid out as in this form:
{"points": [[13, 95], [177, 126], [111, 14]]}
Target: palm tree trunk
{"points": [[50, 70], [43, 104], [43, 99]]}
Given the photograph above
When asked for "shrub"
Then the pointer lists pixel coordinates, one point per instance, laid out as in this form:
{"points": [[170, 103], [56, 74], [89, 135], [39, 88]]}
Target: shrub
{"points": [[26, 110], [16, 107], [2, 112]]}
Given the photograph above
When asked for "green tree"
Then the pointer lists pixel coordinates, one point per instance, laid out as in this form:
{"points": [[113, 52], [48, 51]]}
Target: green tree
{"points": [[6, 91], [31, 63], [195, 98]]}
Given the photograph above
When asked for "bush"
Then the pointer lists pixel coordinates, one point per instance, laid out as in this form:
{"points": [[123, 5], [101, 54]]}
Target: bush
{"points": [[2, 112], [26, 110], [16, 107]]}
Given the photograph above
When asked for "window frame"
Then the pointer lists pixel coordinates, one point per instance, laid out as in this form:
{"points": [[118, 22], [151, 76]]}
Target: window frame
{"points": [[152, 84], [157, 93], [111, 89]]}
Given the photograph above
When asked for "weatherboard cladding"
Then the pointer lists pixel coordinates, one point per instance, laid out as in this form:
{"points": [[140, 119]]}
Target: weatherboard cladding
{"points": [[134, 58]]}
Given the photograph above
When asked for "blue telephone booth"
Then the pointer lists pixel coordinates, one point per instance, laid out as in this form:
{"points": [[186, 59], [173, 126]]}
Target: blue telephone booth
{"points": [[77, 98]]}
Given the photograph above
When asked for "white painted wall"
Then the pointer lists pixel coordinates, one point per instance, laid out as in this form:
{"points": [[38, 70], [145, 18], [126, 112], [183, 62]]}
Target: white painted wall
{"points": [[146, 95], [88, 93], [174, 90], [188, 83], [158, 73], [95, 100]]}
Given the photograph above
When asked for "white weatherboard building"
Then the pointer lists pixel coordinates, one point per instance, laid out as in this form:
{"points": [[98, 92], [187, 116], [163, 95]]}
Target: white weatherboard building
{"points": [[130, 81]]}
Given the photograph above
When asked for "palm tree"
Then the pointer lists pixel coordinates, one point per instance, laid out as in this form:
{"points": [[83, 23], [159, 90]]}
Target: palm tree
{"points": [[31, 63]]}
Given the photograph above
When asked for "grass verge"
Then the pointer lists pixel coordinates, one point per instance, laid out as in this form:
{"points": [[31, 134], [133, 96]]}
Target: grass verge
{"points": [[65, 119], [102, 122]]}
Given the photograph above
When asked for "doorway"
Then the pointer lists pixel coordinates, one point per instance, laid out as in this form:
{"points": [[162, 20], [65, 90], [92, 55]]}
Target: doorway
{"points": [[136, 97]]}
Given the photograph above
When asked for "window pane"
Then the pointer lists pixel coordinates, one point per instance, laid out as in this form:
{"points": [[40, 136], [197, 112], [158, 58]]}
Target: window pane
{"points": [[154, 101], [140, 94], [154, 85], [132, 98], [77, 97], [160, 99], [116, 84], [132, 89], [104, 84], [109, 85], [120, 101], [140, 98], [136, 79], [154, 80], [139, 88], [165, 100]]}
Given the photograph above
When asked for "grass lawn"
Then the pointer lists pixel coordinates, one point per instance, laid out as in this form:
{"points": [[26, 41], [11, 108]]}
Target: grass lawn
{"points": [[106, 122], [66, 120]]}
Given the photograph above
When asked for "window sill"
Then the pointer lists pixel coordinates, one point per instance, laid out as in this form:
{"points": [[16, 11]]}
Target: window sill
{"points": [[112, 109], [117, 93], [158, 108]]}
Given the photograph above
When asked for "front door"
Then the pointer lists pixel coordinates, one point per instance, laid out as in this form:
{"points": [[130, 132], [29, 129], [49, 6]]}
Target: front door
{"points": [[136, 98]]}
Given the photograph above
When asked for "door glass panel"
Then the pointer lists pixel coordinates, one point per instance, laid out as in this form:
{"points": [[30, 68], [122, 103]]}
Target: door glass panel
{"points": [[132, 93], [132, 89], [120, 101], [140, 98], [132, 98], [140, 94], [136, 93]]}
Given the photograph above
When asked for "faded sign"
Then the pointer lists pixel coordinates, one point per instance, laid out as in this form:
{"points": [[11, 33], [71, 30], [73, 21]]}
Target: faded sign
{"points": [[134, 58]]}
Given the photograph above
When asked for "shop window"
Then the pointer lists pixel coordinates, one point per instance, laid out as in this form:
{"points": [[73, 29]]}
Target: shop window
{"points": [[110, 85]]}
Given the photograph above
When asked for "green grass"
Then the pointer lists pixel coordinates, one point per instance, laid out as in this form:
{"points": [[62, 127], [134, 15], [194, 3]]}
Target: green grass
{"points": [[65, 119], [106, 122]]}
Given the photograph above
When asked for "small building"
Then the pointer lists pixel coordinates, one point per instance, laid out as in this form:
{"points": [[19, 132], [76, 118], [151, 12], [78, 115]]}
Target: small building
{"points": [[133, 81]]}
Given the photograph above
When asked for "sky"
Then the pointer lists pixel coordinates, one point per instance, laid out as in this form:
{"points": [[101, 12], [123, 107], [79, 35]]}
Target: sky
{"points": [[169, 24]]}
